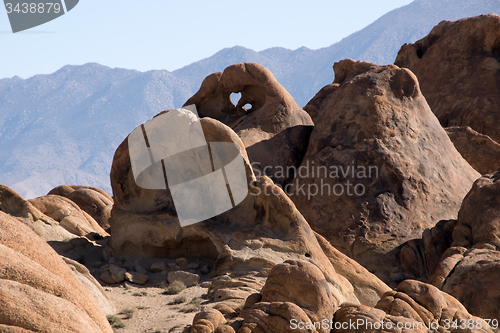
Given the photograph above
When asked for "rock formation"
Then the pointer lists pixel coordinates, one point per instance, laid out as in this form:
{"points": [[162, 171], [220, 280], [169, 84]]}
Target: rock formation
{"points": [[94, 201], [379, 168], [64, 220], [470, 268], [458, 67], [245, 243], [272, 127], [412, 307], [68, 214], [482, 152], [38, 291]]}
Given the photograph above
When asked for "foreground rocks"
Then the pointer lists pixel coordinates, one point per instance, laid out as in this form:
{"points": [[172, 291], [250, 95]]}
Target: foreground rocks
{"points": [[412, 307], [379, 168], [38, 290], [457, 66], [53, 218], [470, 267], [94, 201]]}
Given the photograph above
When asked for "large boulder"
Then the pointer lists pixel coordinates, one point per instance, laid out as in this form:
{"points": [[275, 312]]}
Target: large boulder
{"points": [[94, 201], [458, 66], [379, 168], [38, 290], [272, 127], [23, 210], [68, 214], [297, 288]]}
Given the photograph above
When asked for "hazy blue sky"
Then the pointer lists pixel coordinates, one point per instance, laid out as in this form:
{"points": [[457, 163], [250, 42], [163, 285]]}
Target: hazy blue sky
{"points": [[168, 34]]}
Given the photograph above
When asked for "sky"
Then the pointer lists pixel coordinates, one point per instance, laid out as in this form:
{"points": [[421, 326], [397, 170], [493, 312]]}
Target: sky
{"points": [[169, 34]]}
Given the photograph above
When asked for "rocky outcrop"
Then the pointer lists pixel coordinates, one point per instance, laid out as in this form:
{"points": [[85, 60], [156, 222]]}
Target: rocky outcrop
{"points": [[412, 307], [379, 168], [245, 243], [23, 210], [419, 258], [38, 291], [92, 200], [470, 267], [478, 149], [272, 127], [294, 289], [68, 214], [458, 66]]}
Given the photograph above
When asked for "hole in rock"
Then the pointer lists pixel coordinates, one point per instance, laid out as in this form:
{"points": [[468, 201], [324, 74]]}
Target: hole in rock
{"points": [[307, 255], [235, 98], [247, 106]]}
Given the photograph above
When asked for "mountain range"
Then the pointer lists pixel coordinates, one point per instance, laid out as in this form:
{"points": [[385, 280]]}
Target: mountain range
{"points": [[63, 128]]}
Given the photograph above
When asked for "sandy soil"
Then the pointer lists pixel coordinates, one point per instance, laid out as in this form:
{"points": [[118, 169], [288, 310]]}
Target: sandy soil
{"points": [[153, 311]]}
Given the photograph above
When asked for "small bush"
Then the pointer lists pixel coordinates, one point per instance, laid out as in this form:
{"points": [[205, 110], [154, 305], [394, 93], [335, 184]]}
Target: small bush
{"points": [[142, 293], [196, 301], [178, 300], [142, 307], [115, 321], [188, 309], [128, 313], [175, 288]]}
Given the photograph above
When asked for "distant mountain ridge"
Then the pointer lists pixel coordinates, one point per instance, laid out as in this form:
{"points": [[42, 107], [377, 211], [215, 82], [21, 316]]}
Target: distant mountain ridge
{"points": [[63, 128]]}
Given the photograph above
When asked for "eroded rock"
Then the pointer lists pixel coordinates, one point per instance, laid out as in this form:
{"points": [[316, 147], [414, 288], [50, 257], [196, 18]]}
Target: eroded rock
{"points": [[272, 127], [38, 290], [458, 66], [379, 168], [482, 152]]}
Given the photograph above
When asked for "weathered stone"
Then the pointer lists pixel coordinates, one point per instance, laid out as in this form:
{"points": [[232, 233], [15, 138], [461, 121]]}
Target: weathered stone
{"points": [[68, 214], [384, 168], [136, 277], [157, 267], [117, 273], [457, 67], [44, 226], [482, 152], [415, 305], [38, 290], [94, 201], [189, 279]]}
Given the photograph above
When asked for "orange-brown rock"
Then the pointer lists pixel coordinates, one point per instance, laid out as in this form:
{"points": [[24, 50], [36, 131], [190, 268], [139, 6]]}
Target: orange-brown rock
{"points": [[458, 67], [470, 269], [412, 307], [419, 258], [94, 201], [482, 152], [379, 168], [272, 127], [38, 291], [292, 284], [68, 214], [23, 210]]}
